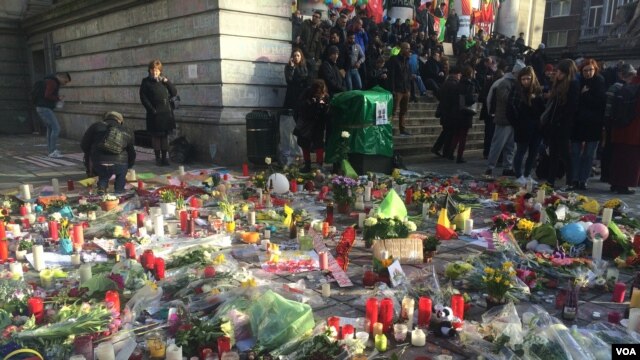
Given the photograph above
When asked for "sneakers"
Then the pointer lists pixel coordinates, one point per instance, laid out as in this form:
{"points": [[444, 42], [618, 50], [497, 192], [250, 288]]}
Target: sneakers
{"points": [[55, 154]]}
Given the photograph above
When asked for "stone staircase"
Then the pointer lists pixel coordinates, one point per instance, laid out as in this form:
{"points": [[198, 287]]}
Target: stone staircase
{"points": [[424, 128]]}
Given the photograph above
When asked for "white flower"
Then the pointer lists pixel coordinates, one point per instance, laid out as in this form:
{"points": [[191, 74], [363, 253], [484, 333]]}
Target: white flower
{"points": [[56, 216], [392, 223], [411, 226], [370, 221], [204, 197], [6, 204], [267, 160], [345, 135]]}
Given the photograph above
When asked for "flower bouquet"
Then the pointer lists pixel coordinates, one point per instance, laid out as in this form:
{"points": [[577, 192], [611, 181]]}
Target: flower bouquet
{"points": [[393, 235], [343, 192], [109, 202], [498, 282]]}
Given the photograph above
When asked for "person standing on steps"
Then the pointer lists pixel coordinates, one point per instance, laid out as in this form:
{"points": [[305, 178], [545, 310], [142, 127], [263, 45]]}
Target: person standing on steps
{"points": [[155, 92], [46, 98], [400, 81]]}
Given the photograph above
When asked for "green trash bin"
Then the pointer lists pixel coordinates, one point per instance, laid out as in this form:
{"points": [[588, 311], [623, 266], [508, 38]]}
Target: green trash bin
{"points": [[262, 136]]}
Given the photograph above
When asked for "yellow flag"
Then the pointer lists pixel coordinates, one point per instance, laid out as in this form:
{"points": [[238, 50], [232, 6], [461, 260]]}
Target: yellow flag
{"points": [[289, 215], [443, 219]]}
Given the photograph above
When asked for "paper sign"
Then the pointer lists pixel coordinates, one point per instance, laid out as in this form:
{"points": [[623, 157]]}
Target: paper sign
{"points": [[396, 273], [193, 71], [337, 272], [381, 113]]}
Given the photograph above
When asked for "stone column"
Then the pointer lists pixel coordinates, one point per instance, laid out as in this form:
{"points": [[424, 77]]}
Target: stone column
{"points": [[507, 19]]}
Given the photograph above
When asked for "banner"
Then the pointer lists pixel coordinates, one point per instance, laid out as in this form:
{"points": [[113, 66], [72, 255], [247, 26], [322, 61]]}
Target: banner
{"points": [[400, 9]]}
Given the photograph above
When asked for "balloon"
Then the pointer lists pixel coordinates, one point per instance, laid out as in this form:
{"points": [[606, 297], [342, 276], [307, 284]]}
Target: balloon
{"points": [[598, 231], [279, 182], [573, 233]]}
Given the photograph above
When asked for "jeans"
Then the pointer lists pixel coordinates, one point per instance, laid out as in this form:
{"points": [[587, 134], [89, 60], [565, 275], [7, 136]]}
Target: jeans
{"points": [[531, 148], [352, 79], [502, 139], [582, 159], [53, 127], [104, 174], [420, 84]]}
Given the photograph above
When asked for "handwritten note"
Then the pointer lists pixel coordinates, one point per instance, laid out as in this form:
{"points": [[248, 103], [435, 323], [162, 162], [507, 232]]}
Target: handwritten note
{"points": [[337, 272]]}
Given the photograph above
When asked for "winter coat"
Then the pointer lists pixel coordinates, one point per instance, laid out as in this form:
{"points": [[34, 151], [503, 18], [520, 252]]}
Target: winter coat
{"points": [[466, 89], [630, 134], [449, 105], [399, 74], [311, 121], [296, 77], [155, 96], [589, 121], [500, 90], [562, 116], [525, 118], [94, 136], [330, 73]]}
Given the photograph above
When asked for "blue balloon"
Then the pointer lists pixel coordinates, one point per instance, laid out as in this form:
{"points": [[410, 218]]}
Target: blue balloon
{"points": [[573, 233]]}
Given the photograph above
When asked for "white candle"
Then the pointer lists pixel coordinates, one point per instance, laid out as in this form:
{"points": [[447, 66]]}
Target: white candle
{"points": [[77, 357], [85, 273], [367, 193], [267, 234], [408, 306], [155, 210], [361, 217], [16, 230], [252, 218], [260, 196], [634, 319], [82, 201], [38, 257], [105, 351], [25, 192], [468, 226], [529, 187], [148, 225], [132, 175], [172, 227], [75, 259], [16, 270], [56, 186], [540, 196], [384, 254], [360, 203], [158, 225], [596, 253], [326, 290], [607, 214], [543, 215], [31, 217], [418, 338], [91, 215], [173, 352], [142, 232], [180, 170], [425, 209]]}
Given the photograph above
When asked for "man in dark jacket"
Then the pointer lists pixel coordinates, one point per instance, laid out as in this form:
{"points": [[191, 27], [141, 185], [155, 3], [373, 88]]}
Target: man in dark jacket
{"points": [[448, 111], [311, 42], [452, 26], [400, 81], [47, 98], [330, 73], [108, 148]]}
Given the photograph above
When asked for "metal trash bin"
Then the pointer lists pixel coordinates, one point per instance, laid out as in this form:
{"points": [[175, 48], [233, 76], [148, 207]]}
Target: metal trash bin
{"points": [[262, 136]]}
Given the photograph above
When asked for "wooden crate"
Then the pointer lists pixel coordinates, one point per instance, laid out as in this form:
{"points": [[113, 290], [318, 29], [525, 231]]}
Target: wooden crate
{"points": [[407, 250]]}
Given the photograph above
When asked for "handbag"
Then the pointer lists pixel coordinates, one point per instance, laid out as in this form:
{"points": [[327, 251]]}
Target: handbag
{"points": [[465, 110], [548, 114]]}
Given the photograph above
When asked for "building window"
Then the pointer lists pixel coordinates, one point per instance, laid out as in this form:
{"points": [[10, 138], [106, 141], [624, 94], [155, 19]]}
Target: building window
{"points": [[595, 16], [556, 39], [612, 9], [559, 8]]}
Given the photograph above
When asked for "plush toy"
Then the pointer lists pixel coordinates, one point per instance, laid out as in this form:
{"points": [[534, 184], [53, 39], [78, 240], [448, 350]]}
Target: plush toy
{"points": [[445, 318]]}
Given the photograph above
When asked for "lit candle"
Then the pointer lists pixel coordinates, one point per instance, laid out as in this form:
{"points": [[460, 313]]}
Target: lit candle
{"points": [[634, 319], [4, 250], [56, 186], [540, 195], [612, 274], [596, 253], [174, 352], [105, 351], [367, 193], [607, 214], [252, 218], [38, 257], [326, 290], [361, 217], [457, 305], [425, 307], [324, 260], [16, 270], [634, 302], [378, 329], [386, 314], [158, 225], [25, 192], [85, 273], [406, 313], [180, 170], [75, 259], [371, 308], [418, 338], [132, 175], [619, 292], [468, 226], [381, 342]]}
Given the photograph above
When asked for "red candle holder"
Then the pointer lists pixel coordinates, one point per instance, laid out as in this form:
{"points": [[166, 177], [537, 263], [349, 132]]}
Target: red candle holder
{"points": [[53, 230], [78, 235], [23, 210], [457, 305], [25, 223], [113, 297], [140, 219], [4, 250], [371, 311], [184, 218], [224, 345], [36, 308], [148, 260], [293, 185], [130, 249], [194, 202], [386, 314], [3, 231], [369, 277], [195, 214], [618, 292], [140, 185], [70, 185], [334, 322], [325, 229], [425, 307], [323, 259], [159, 268], [83, 345], [614, 317], [245, 169], [347, 331]]}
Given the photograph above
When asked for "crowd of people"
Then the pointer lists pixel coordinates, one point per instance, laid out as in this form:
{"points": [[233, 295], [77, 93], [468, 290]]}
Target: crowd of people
{"points": [[542, 117]]}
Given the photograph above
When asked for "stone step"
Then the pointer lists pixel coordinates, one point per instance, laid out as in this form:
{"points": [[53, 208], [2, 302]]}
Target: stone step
{"points": [[428, 139], [421, 127]]}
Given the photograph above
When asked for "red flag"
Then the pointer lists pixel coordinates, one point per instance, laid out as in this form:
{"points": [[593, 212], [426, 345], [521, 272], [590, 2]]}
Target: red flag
{"points": [[375, 10]]}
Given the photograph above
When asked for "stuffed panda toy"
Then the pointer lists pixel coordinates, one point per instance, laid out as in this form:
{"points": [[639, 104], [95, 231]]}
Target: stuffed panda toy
{"points": [[444, 318]]}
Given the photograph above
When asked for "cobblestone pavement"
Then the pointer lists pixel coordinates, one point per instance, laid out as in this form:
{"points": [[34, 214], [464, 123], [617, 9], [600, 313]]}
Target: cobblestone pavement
{"points": [[23, 160]]}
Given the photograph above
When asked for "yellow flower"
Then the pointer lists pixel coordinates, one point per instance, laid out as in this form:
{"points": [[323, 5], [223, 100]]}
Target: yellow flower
{"points": [[498, 279], [507, 282], [219, 259], [507, 265], [215, 291], [612, 204], [489, 270], [251, 282]]}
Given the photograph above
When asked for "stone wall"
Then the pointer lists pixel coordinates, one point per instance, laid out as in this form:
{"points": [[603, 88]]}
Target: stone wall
{"points": [[226, 58], [14, 84]]}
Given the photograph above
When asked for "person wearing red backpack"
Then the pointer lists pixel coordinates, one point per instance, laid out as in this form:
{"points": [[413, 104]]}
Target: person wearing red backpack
{"points": [[625, 164]]}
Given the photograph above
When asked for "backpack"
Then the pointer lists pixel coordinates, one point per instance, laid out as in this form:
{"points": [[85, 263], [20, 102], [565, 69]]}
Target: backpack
{"points": [[114, 140], [624, 105], [37, 92]]}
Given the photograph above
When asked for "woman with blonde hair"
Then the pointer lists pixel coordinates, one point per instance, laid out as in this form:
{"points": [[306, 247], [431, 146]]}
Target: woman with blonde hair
{"points": [[559, 117], [525, 106]]}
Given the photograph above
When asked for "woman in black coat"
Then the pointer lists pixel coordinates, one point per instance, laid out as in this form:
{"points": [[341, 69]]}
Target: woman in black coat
{"points": [[311, 121], [296, 75], [466, 100], [525, 106], [589, 124], [155, 92]]}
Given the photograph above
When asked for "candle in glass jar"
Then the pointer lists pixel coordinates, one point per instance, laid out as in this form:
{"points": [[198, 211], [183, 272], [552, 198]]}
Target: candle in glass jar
{"points": [[381, 342], [16, 270], [607, 215], [224, 345], [3, 231], [494, 196], [267, 234], [158, 225], [36, 308], [53, 230], [46, 278], [157, 347], [323, 260], [634, 320], [105, 351], [252, 218], [540, 195], [367, 193], [612, 274], [361, 217], [85, 273], [132, 175], [418, 338], [184, 218], [326, 290], [159, 268], [425, 209], [70, 185], [180, 170], [334, 322], [424, 311], [634, 302], [38, 257], [174, 352], [325, 229], [407, 310], [148, 259], [596, 253], [348, 331], [140, 219], [386, 314], [130, 249], [78, 236], [457, 305], [75, 259], [4, 250], [113, 297], [468, 226], [371, 309]]}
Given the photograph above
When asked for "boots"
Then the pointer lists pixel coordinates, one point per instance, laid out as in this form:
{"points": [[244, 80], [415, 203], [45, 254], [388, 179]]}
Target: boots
{"points": [[157, 154], [307, 167], [165, 161]]}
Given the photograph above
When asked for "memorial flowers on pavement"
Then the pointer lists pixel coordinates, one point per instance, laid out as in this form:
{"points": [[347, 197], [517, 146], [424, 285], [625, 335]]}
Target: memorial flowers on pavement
{"points": [[498, 281], [380, 227], [343, 189]]}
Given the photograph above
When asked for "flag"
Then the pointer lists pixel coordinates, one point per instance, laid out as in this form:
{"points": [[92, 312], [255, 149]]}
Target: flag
{"points": [[443, 227]]}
